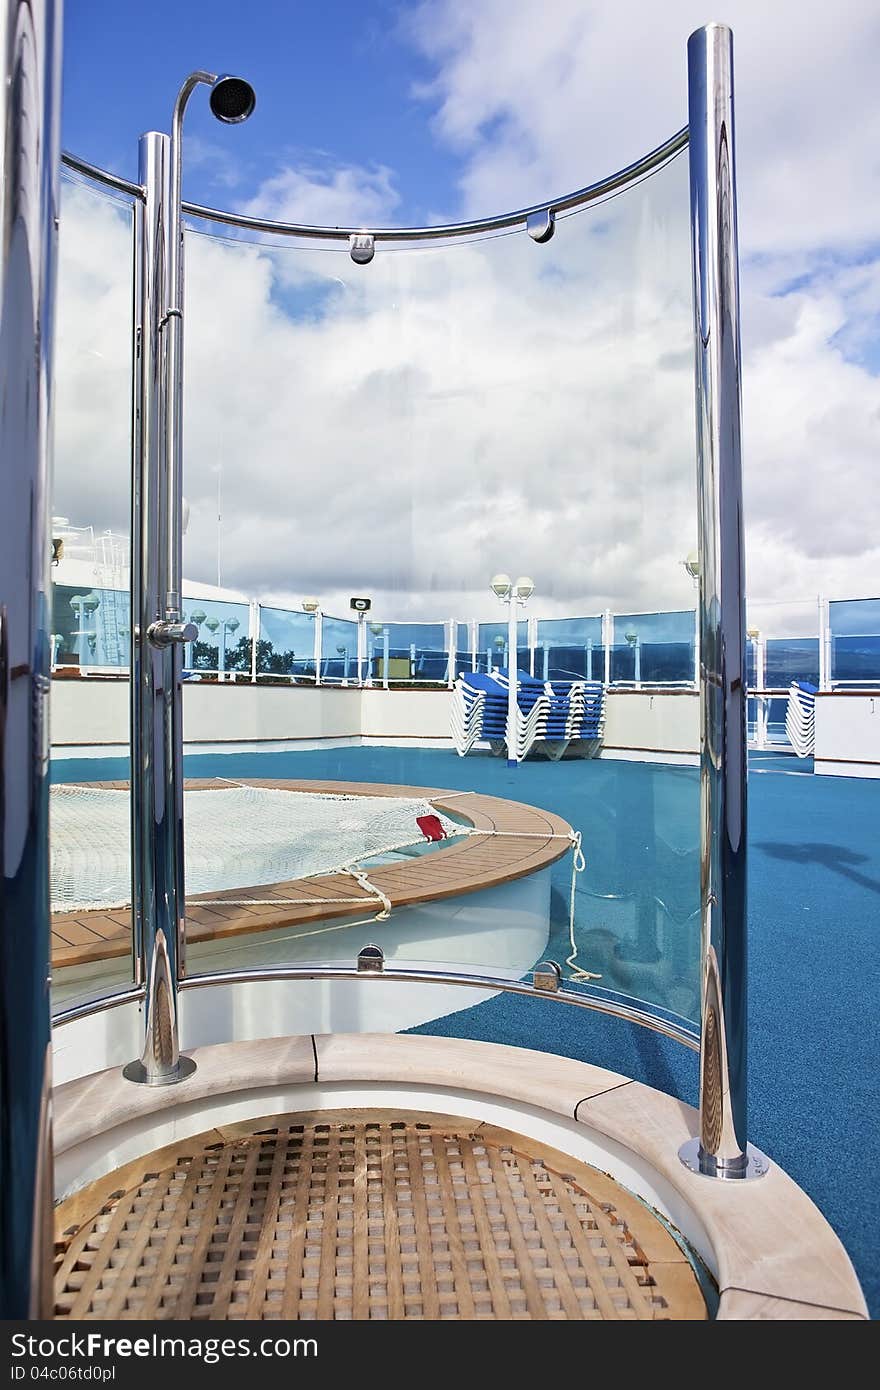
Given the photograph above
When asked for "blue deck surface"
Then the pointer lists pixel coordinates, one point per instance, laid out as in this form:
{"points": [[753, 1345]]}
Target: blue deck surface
{"points": [[814, 912]]}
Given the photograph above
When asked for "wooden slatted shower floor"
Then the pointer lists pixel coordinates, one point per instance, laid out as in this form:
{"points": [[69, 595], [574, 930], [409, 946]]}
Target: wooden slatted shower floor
{"points": [[366, 1214]]}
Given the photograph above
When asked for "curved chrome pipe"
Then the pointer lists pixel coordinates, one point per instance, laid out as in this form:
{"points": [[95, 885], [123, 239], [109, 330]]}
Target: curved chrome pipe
{"points": [[678, 1032], [612, 183], [103, 176]]}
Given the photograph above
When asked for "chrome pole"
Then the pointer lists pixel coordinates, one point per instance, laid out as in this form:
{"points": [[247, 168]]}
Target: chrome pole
{"points": [[30, 54], [158, 908], [722, 1150], [512, 682]]}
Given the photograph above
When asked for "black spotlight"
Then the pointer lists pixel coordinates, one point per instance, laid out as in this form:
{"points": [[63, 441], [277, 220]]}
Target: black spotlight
{"points": [[232, 99]]}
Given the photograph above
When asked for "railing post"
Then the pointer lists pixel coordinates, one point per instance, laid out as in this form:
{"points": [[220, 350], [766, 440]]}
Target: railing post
{"points": [[319, 645], [30, 68], [824, 644], [607, 626], [721, 1150], [255, 637], [158, 908]]}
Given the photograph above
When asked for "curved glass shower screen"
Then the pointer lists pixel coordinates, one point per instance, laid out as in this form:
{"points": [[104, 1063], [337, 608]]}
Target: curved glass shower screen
{"points": [[91, 613], [406, 431]]}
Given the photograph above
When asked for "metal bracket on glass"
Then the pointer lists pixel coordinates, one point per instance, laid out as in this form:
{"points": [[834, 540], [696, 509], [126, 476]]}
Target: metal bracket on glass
{"points": [[695, 1158], [371, 959], [541, 225], [547, 977], [362, 247], [165, 634]]}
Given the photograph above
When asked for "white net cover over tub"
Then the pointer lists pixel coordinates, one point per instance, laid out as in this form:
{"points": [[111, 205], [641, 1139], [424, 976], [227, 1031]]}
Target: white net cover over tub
{"points": [[235, 837]]}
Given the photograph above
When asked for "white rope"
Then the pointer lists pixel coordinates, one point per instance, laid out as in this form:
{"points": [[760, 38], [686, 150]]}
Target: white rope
{"points": [[578, 864]]}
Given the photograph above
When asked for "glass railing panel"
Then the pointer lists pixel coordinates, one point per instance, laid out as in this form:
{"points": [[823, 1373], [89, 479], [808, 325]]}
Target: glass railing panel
{"points": [[464, 657], [445, 414], [90, 876], [91, 629], [286, 644], [570, 649], [492, 646], [339, 651], [417, 652], [782, 646], [855, 641], [653, 648], [222, 649]]}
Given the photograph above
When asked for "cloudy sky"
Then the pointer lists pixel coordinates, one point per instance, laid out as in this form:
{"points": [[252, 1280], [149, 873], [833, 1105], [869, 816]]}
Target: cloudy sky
{"points": [[407, 428]]}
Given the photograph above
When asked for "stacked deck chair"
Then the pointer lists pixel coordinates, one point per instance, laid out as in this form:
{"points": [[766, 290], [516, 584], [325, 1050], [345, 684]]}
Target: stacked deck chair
{"points": [[554, 717], [800, 718]]}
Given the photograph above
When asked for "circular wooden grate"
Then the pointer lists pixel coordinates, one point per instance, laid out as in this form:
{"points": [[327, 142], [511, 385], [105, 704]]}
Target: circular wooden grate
{"points": [[366, 1214]]}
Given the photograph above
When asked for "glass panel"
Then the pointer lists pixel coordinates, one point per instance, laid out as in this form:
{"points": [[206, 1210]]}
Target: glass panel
{"points": [[782, 646], [855, 641], [492, 646], [91, 628], [223, 646], [653, 648], [286, 645], [570, 649], [404, 431], [463, 656], [417, 652], [91, 617], [339, 650]]}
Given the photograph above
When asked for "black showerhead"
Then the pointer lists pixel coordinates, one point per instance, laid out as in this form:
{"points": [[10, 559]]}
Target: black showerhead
{"points": [[232, 99]]}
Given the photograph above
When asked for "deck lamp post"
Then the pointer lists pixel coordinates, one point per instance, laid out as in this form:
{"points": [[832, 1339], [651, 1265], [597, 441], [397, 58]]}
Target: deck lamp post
{"points": [[632, 638], [83, 606], [212, 624], [196, 617], [228, 625], [515, 594]]}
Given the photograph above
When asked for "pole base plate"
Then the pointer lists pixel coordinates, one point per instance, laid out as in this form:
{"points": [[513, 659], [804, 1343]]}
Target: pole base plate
{"points": [[694, 1159], [137, 1072]]}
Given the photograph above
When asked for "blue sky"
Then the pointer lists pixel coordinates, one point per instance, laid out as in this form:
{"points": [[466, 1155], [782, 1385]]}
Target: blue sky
{"points": [[335, 86]]}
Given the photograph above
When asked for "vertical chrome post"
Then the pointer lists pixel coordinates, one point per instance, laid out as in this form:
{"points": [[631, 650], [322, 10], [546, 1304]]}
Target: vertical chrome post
{"points": [[318, 645], [824, 643], [607, 629], [721, 1150], [512, 682], [697, 645], [156, 723], [30, 54]]}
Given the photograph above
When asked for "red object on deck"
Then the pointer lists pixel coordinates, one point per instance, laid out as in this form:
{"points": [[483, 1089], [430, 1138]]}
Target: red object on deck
{"points": [[430, 827]]}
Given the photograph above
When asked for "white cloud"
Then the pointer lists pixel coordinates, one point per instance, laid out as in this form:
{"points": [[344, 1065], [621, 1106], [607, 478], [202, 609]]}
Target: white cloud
{"points": [[410, 427], [346, 196]]}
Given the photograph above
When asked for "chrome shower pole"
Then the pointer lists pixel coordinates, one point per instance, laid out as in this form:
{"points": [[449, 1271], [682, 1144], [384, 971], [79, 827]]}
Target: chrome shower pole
{"points": [[156, 734], [722, 1150], [30, 89]]}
